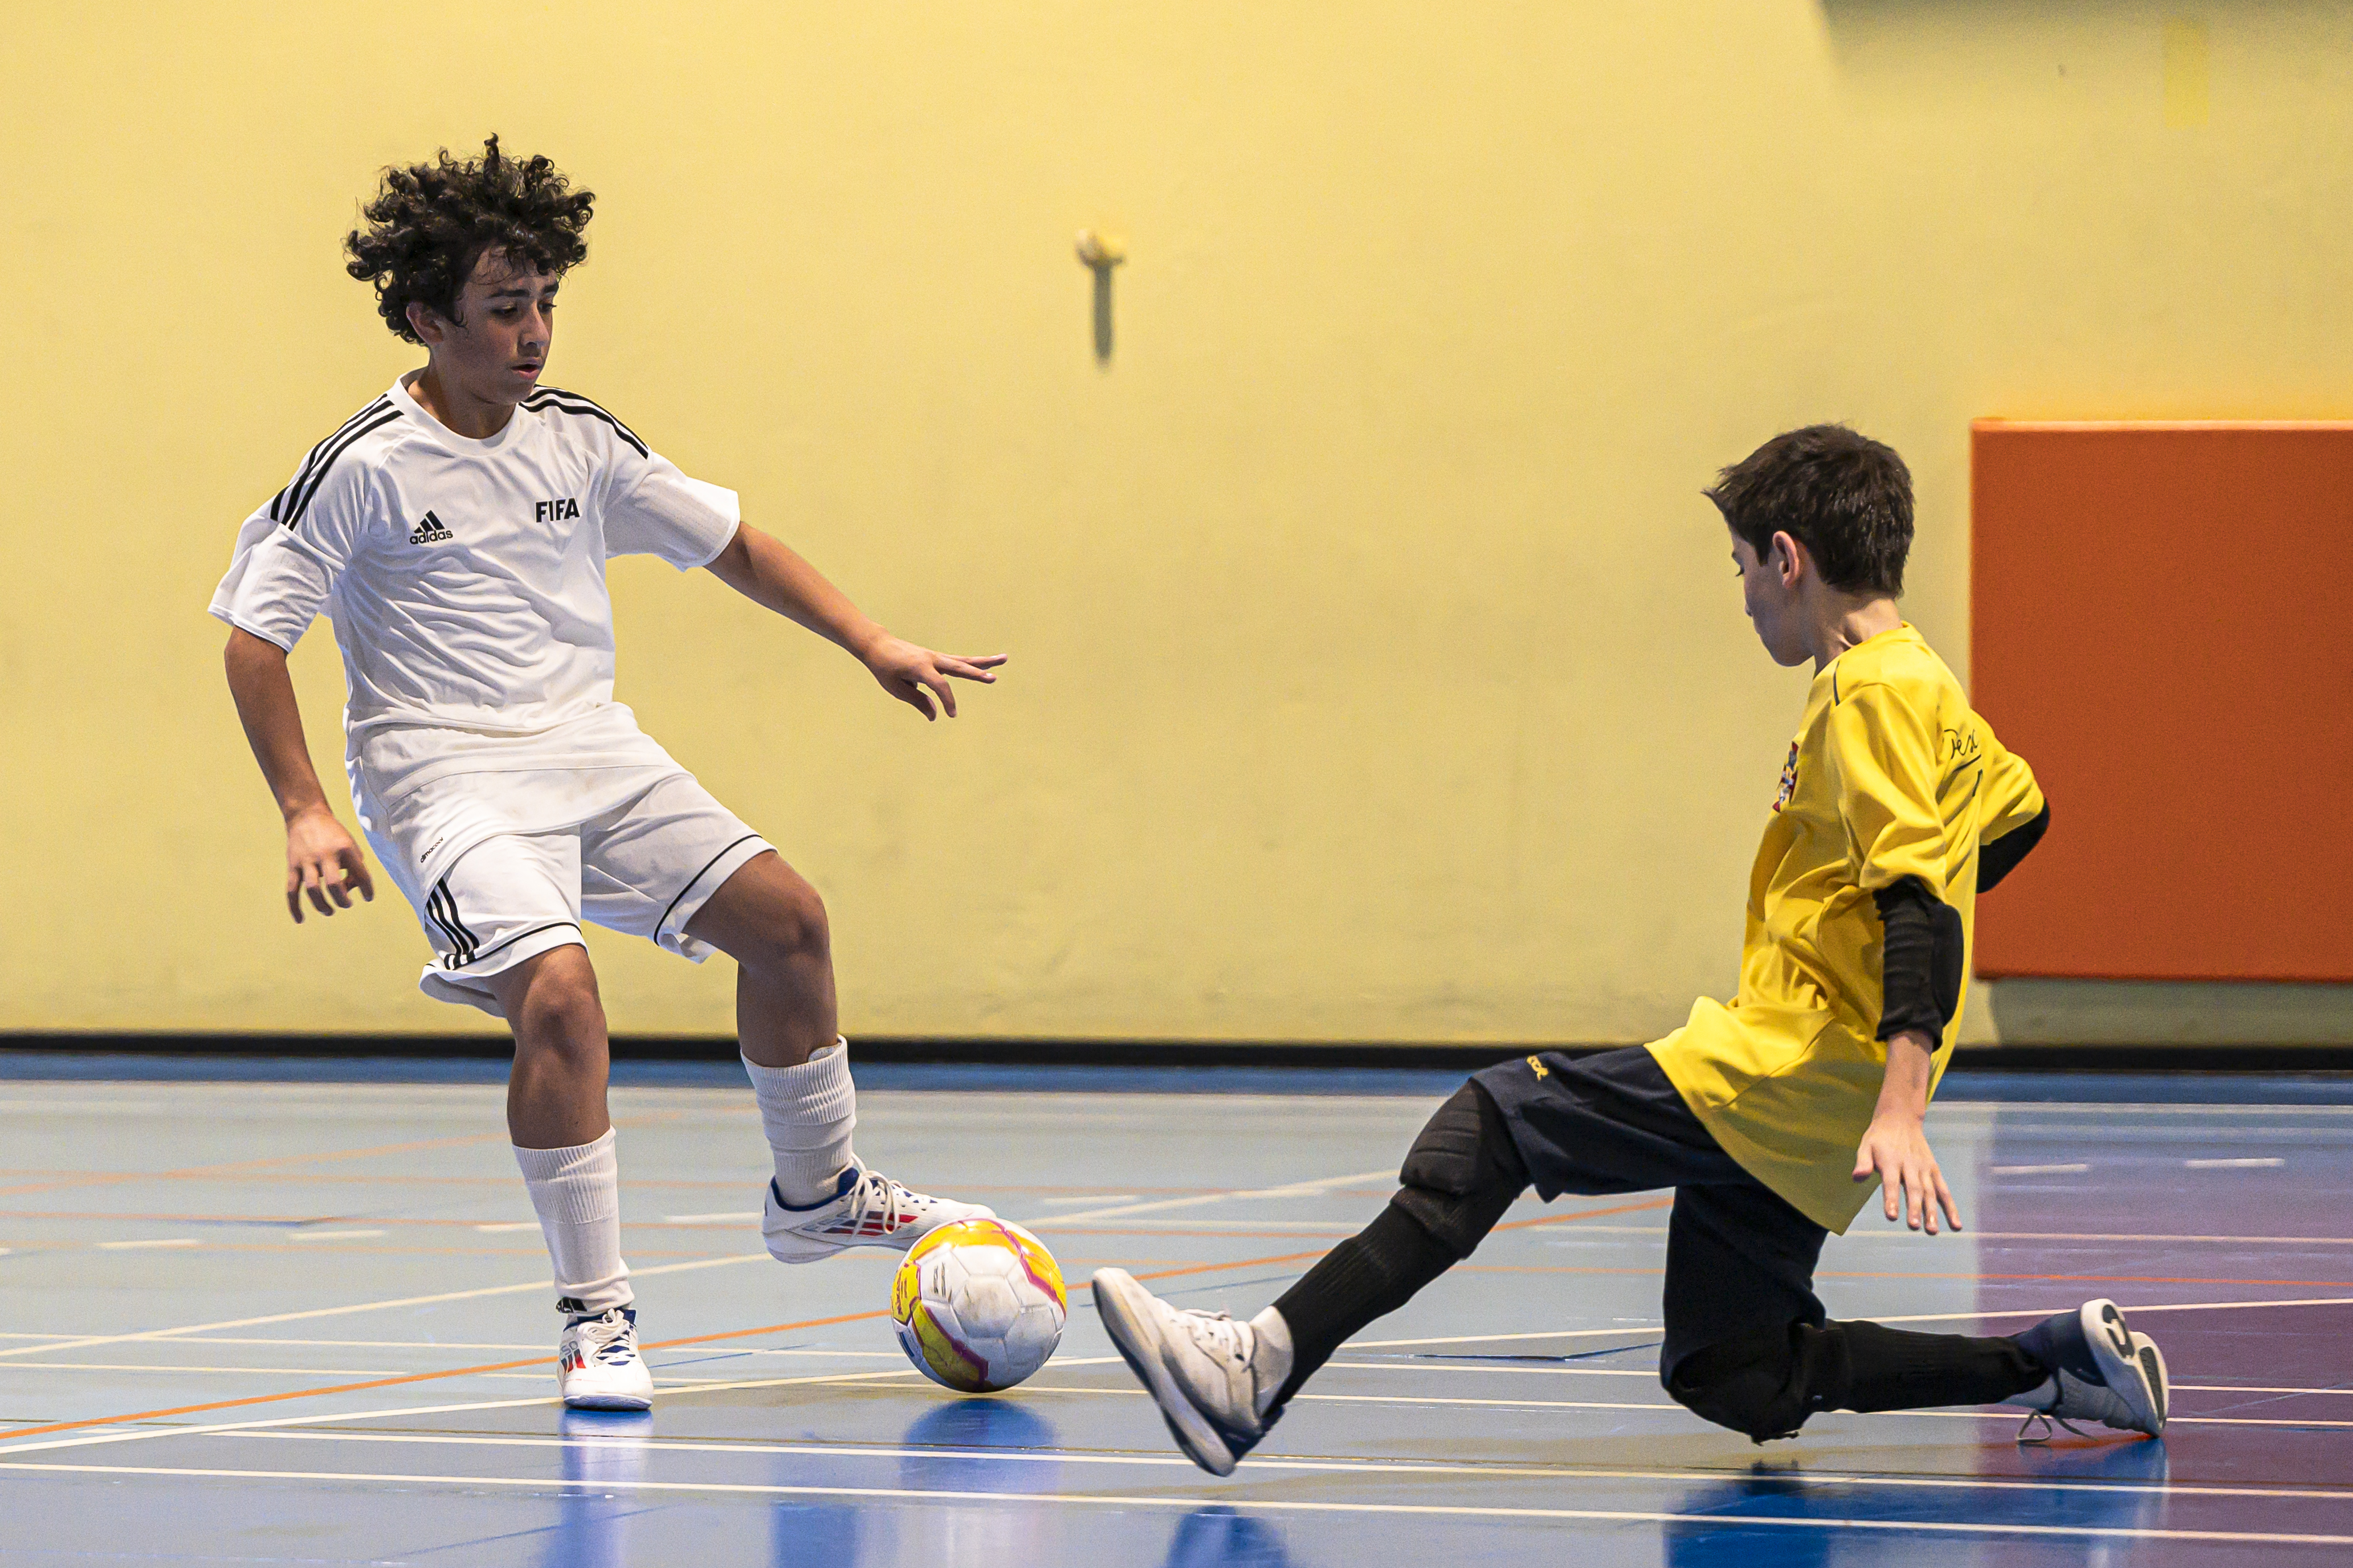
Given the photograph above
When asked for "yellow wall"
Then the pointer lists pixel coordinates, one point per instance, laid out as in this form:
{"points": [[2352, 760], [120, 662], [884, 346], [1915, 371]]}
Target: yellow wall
{"points": [[1378, 669]]}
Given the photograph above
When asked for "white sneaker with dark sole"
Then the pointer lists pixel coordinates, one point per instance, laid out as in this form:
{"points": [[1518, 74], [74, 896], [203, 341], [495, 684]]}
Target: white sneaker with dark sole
{"points": [[597, 1365], [1213, 1378], [2100, 1370], [869, 1209]]}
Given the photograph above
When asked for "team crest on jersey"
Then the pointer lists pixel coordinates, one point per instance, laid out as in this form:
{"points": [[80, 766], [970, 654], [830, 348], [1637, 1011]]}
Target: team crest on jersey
{"points": [[428, 531], [556, 510], [1789, 779]]}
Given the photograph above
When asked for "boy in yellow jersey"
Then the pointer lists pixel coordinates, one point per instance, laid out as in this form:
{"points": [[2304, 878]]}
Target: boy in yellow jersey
{"points": [[1769, 1116]]}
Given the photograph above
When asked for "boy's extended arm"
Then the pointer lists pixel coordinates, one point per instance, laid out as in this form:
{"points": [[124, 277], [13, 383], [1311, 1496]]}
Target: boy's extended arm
{"points": [[1895, 1149], [764, 571], [322, 858]]}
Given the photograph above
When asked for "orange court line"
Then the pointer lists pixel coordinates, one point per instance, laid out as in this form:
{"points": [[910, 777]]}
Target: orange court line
{"points": [[508, 1365], [1586, 1214], [692, 1339], [200, 1173], [207, 1172]]}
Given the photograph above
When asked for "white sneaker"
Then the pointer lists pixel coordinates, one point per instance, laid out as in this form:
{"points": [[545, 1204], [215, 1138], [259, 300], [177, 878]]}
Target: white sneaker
{"points": [[869, 1209], [597, 1364], [1214, 1379], [2100, 1371]]}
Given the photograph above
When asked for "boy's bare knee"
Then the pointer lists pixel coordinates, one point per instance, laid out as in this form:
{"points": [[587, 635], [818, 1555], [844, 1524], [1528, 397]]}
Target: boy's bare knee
{"points": [[560, 1007], [793, 930]]}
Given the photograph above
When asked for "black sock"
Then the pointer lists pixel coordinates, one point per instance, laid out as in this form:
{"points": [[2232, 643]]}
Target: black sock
{"points": [[1890, 1369], [1370, 1275]]}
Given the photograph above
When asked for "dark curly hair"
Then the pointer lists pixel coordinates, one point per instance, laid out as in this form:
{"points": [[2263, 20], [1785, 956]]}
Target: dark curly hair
{"points": [[430, 222], [1844, 495]]}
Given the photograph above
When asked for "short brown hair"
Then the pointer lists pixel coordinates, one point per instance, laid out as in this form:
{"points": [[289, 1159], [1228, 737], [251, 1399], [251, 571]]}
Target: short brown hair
{"points": [[1844, 495]]}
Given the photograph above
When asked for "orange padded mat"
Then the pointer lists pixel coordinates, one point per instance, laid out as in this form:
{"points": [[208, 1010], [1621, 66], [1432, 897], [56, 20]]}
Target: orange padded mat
{"points": [[2161, 627]]}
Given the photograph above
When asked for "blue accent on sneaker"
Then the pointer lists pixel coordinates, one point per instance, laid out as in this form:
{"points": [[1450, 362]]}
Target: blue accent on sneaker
{"points": [[851, 1176], [579, 1317], [2058, 1344]]}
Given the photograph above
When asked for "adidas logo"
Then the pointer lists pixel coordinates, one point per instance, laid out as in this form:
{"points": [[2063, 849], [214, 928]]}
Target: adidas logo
{"points": [[430, 532]]}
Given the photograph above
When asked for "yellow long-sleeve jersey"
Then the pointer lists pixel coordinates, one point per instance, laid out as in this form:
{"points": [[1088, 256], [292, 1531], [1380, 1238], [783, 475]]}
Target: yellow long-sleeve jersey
{"points": [[1892, 776]]}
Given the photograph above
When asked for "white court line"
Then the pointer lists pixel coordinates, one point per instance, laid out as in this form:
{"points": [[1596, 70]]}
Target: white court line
{"points": [[1636, 1330], [1059, 1362], [364, 1307], [1304, 1228], [1452, 1365], [2232, 1164], [164, 1241], [501, 1226], [2036, 1170], [172, 1367], [1096, 1198], [1912, 1240], [1295, 1190], [916, 1494], [1451, 1401], [142, 1434], [705, 1351], [1399, 1467], [2147, 1107], [2132, 1236]]}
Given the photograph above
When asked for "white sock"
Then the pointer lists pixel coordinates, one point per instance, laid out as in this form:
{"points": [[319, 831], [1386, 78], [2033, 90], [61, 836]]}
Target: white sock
{"points": [[807, 1113], [1270, 1356], [578, 1194]]}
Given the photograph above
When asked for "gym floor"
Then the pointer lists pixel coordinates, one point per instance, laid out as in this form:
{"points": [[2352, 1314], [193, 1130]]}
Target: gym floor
{"points": [[298, 1312]]}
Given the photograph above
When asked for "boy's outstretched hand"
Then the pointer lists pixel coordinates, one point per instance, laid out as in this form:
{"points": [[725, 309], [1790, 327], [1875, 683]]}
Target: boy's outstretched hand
{"points": [[1895, 1150], [323, 860], [913, 675]]}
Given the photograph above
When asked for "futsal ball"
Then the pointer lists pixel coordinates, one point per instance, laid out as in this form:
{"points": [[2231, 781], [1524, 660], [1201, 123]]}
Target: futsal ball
{"points": [[978, 1305]]}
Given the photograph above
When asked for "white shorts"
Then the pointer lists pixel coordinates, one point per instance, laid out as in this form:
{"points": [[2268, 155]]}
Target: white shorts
{"points": [[644, 865]]}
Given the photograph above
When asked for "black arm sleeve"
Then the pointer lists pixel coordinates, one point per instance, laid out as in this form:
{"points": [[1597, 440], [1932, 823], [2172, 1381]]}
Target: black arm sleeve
{"points": [[1920, 960], [2000, 857]]}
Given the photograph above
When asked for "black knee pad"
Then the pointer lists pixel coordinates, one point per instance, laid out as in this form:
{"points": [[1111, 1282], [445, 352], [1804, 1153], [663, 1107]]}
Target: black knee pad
{"points": [[1463, 1171], [1763, 1384]]}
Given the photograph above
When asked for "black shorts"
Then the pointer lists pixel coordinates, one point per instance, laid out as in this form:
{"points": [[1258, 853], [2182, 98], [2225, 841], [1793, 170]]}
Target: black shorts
{"points": [[1739, 1257]]}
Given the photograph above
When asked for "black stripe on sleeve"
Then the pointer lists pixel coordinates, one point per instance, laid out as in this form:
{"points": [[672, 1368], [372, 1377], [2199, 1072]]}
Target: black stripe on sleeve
{"points": [[304, 472], [342, 443], [572, 403]]}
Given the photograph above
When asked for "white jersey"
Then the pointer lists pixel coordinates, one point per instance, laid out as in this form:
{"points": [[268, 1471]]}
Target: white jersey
{"points": [[466, 582]]}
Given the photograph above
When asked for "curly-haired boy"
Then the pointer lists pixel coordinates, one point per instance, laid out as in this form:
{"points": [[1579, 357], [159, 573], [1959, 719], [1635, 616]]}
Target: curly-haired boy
{"points": [[1895, 808], [456, 529]]}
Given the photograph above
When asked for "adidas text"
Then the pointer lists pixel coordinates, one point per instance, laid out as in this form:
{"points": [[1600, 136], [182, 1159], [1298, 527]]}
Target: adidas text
{"points": [[429, 531]]}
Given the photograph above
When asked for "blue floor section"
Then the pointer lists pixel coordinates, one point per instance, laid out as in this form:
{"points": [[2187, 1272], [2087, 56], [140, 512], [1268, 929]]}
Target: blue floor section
{"points": [[299, 1314]]}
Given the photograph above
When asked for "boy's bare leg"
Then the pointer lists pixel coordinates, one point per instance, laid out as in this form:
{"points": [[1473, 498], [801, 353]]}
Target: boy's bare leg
{"points": [[821, 1199], [771, 923], [555, 1096], [564, 1146]]}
